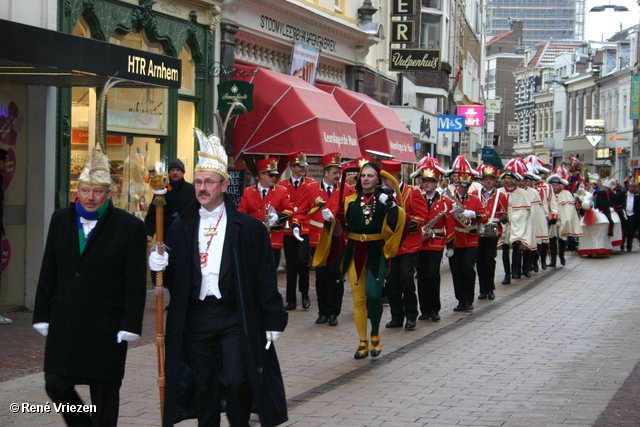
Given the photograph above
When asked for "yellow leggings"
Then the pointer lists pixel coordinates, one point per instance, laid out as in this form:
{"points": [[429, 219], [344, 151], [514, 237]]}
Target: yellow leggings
{"points": [[367, 298]]}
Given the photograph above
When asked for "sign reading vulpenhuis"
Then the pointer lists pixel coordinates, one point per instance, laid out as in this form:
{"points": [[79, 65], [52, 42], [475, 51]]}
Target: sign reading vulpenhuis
{"points": [[414, 60]]}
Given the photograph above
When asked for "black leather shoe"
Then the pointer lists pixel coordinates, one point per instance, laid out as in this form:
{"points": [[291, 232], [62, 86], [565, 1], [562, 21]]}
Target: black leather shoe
{"points": [[459, 307], [290, 306], [468, 307], [482, 296], [410, 325], [305, 302], [535, 268], [424, 317], [526, 274], [507, 280], [394, 324], [333, 320], [491, 295], [435, 317], [322, 319]]}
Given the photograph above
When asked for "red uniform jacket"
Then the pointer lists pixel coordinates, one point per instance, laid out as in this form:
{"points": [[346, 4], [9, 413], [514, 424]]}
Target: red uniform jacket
{"points": [[253, 204], [301, 203], [415, 207], [486, 207], [443, 228], [468, 238], [334, 203]]}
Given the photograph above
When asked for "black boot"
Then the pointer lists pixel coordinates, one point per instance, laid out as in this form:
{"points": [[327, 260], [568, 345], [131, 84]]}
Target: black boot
{"points": [[543, 255], [553, 251], [516, 261], [534, 261], [506, 263], [526, 263], [562, 246]]}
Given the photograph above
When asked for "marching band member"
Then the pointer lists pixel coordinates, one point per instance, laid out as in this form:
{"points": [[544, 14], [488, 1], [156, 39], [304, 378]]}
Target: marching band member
{"points": [[400, 285], [517, 233], [494, 207], [549, 205], [540, 227], [465, 248], [568, 224], [438, 230], [270, 203], [296, 239]]}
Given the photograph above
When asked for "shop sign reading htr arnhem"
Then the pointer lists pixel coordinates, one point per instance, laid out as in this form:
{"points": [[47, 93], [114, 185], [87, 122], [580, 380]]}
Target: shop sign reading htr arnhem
{"points": [[410, 59]]}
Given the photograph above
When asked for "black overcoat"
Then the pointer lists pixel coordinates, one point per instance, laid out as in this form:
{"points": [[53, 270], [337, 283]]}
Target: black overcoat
{"points": [[247, 265], [88, 298]]}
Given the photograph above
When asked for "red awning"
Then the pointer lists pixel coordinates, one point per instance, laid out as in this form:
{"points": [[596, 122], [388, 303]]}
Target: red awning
{"points": [[379, 127], [290, 114]]}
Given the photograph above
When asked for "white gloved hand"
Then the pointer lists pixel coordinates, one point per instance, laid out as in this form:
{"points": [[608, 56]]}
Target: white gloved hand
{"points": [[42, 327], [296, 234], [272, 336], [127, 336], [449, 252], [158, 262], [326, 214], [273, 219], [586, 205], [469, 214], [383, 198]]}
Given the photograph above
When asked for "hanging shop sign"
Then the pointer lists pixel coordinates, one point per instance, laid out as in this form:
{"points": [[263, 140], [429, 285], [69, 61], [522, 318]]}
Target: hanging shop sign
{"points": [[414, 60], [402, 7], [635, 97], [234, 91], [402, 32], [474, 115]]}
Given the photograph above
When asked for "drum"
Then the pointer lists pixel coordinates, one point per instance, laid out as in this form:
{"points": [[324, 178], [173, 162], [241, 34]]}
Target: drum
{"points": [[488, 230]]}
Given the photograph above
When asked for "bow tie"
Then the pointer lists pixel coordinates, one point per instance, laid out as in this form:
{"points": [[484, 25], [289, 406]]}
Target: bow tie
{"points": [[205, 214]]}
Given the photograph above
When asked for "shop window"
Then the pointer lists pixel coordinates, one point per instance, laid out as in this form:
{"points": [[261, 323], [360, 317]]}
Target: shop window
{"points": [[432, 4], [186, 148], [187, 85], [136, 123]]}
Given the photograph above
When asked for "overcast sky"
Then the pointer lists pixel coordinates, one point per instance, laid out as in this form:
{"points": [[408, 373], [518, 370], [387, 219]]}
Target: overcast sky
{"points": [[602, 25]]}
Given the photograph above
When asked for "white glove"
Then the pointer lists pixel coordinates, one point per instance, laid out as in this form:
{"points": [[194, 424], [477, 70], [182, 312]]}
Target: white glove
{"points": [[586, 205], [326, 214], [127, 336], [42, 327], [272, 336], [158, 262], [296, 234], [449, 252], [383, 198], [273, 219], [469, 214]]}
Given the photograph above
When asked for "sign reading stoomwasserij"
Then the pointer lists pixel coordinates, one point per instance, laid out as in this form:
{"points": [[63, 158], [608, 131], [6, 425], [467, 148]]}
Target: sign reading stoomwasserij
{"points": [[297, 34], [414, 60]]}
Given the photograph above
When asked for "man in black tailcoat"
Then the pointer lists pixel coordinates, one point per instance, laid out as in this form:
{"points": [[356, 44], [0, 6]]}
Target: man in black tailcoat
{"points": [[90, 297], [225, 312]]}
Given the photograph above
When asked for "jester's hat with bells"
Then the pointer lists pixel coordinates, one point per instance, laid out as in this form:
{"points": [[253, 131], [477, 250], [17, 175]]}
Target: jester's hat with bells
{"points": [[536, 164], [515, 168], [429, 167], [212, 156], [466, 174]]}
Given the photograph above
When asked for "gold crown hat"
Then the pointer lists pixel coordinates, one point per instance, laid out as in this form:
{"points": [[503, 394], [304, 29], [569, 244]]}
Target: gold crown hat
{"points": [[212, 156], [96, 172]]}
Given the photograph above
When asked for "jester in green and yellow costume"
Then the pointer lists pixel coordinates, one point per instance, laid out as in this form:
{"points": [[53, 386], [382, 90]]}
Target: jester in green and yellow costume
{"points": [[374, 227]]}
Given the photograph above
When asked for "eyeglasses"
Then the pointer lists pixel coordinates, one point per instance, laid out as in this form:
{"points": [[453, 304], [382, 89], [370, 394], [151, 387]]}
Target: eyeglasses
{"points": [[208, 183]]}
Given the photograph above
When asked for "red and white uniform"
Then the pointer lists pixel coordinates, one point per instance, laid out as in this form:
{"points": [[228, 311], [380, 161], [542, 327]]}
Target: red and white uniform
{"points": [[301, 203], [253, 204]]}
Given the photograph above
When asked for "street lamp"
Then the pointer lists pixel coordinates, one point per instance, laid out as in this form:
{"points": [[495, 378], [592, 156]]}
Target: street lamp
{"points": [[615, 8]]}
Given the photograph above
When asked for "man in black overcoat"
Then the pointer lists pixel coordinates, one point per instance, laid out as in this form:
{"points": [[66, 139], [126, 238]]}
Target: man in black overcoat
{"points": [[225, 311], [90, 297]]}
